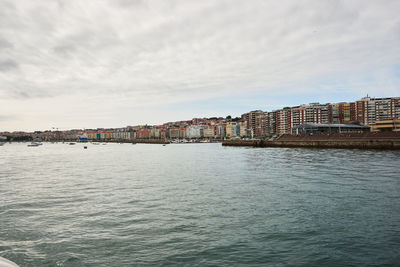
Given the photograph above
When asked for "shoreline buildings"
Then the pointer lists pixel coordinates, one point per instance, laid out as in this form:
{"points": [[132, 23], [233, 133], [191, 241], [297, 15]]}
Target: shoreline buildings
{"points": [[367, 111], [380, 114]]}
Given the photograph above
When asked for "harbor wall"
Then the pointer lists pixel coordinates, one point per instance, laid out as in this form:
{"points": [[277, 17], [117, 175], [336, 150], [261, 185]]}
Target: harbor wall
{"points": [[351, 144], [135, 141], [150, 141]]}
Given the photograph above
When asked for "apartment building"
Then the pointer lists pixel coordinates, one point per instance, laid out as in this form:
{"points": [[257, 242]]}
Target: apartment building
{"points": [[344, 112], [243, 128], [261, 124], [271, 126], [194, 131], [232, 129], [209, 132], [369, 110], [155, 133], [251, 118], [177, 133], [283, 121]]}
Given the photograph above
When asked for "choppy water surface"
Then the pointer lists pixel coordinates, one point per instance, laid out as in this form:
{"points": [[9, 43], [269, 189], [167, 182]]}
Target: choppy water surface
{"points": [[198, 204]]}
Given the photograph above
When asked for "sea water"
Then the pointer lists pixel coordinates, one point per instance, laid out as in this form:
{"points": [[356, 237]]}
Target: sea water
{"points": [[198, 205]]}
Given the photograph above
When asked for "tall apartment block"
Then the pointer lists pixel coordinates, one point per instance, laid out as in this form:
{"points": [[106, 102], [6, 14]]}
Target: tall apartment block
{"points": [[369, 110], [250, 117], [365, 111]]}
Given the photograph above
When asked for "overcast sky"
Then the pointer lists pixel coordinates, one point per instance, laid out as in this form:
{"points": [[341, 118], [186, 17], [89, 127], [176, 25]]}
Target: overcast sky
{"points": [[86, 64]]}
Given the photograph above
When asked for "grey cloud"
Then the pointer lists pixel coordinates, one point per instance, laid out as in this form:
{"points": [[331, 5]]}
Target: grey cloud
{"points": [[180, 43], [129, 3], [7, 117], [7, 10], [8, 65], [22, 94], [29, 93], [4, 44], [64, 50]]}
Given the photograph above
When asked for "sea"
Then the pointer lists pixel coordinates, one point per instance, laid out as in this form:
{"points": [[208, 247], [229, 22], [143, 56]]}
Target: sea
{"points": [[198, 205]]}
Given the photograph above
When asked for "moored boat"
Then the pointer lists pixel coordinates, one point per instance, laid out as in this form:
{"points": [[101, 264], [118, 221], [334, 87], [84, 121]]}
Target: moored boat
{"points": [[34, 144], [7, 263]]}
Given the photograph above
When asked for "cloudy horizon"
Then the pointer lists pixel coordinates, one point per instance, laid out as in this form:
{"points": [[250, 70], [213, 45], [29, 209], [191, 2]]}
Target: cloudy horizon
{"points": [[89, 64]]}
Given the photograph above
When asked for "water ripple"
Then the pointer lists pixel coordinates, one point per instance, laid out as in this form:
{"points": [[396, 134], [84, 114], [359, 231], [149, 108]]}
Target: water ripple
{"points": [[198, 205]]}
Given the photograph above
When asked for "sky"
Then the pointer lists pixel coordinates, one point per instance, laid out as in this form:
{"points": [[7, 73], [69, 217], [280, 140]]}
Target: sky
{"points": [[88, 64]]}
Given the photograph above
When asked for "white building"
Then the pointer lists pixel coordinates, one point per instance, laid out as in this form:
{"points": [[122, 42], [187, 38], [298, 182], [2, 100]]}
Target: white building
{"points": [[194, 131]]}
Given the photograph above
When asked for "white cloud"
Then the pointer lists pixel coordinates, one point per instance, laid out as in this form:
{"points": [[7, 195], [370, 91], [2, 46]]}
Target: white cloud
{"points": [[143, 54]]}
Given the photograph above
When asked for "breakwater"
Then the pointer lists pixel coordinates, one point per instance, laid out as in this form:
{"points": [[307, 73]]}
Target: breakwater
{"points": [[135, 141], [373, 144], [358, 141], [151, 141]]}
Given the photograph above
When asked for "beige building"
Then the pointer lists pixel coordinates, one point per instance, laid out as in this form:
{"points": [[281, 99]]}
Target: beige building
{"points": [[243, 128], [154, 133], [230, 129], [386, 125], [177, 133], [209, 132]]}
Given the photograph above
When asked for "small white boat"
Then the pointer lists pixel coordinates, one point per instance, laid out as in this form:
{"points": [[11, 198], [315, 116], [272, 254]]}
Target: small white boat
{"points": [[7, 263]]}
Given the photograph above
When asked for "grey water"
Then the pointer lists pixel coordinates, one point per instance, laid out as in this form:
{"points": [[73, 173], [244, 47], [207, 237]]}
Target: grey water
{"points": [[198, 205]]}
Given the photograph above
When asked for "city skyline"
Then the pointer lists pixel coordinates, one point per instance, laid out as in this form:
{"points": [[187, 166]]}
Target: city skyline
{"points": [[69, 64], [365, 111]]}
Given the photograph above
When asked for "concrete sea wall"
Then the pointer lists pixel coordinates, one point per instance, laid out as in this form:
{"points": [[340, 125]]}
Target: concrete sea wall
{"points": [[150, 141], [135, 141], [358, 144]]}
